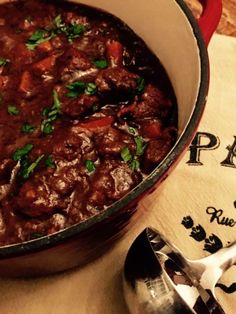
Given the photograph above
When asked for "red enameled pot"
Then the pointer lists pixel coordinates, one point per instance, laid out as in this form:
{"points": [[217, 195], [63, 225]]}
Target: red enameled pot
{"points": [[180, 42]]}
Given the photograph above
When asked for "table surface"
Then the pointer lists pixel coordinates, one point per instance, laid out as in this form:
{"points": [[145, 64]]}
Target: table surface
{"points": [[227, 24]]}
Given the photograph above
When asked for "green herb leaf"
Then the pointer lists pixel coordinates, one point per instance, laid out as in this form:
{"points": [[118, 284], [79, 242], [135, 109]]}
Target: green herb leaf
{"points": [[140, 85], [135, 164], [28, 169], [3, 61], [75, 89], [13, 110], [47, 128], [132, 130], [91, 89], [140, 145], [56, 101], [51, 115], [38, 37], [100, 63], [27, 128], [74, 31], [59, 24], [90, 166], [49, 162], [78, 88], [126, 154], [21, 153]]}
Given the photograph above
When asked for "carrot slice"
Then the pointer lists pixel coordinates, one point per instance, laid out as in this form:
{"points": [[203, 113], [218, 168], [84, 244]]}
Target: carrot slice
{"points": [[46, 64], [115, 53], [45, 46], [26, 82], [98, 123]]}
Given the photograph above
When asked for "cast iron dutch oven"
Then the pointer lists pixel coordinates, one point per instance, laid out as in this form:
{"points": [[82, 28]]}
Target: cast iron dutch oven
{"points": [[172, 33]]}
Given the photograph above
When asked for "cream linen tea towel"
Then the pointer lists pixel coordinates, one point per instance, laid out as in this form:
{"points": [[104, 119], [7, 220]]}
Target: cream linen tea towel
{"points": [[196, 210]]}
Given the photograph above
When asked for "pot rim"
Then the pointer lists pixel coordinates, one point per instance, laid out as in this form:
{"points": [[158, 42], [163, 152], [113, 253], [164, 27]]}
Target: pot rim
{"points": [[158, 174]]}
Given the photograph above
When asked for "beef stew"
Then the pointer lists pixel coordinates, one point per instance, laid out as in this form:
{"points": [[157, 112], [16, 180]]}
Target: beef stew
{"points": [[87, 112]]}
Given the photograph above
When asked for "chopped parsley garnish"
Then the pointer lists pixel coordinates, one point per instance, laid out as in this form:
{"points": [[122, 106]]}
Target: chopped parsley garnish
{"points": [[28, 168], [140, 85], [3, 61], [132, 130], [140, 145], [90, 89], [27, 128], [21, 153], [71, 30], [38, 37], [47, 127], [60, 26], [51, 115], [74, 31], [49, 162], [127, 156], [90, 166], [135, 164], [100, 63], [78, 88], [13, 110], [75, 89]]}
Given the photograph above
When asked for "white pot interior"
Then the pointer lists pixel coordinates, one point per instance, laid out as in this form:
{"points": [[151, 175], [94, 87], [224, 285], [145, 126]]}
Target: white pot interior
{"points": [[166, 30]]}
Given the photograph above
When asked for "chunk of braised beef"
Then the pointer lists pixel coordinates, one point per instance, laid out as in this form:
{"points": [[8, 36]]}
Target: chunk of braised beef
{"points": [[76, 143], [112, 140], [153, 103], [73, 60], [37, 227], [151, 128], [158, 148], [65, 178], [77, 211], [116, 78], [37, 198], [50, 190], [75, 107], [112, 180]]}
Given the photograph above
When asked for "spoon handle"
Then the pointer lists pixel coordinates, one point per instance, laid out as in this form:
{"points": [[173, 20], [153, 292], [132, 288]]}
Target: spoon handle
{"points": [[209, 270]]}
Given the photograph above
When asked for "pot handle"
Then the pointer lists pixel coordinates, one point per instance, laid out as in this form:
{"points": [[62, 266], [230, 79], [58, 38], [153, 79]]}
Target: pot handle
{"points": [[209, 20]]}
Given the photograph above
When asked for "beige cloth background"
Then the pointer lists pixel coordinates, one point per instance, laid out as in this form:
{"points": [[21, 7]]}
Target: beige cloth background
{"points": [[97, 287]]}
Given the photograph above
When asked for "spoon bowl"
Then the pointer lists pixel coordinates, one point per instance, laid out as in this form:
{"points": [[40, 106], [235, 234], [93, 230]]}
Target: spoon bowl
{"points": [[159, 279]]}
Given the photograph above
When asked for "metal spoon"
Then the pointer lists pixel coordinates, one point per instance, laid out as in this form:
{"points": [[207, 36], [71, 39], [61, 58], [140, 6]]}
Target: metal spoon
{"points": [[159, 279]]}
